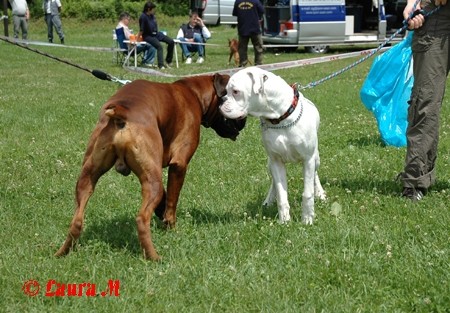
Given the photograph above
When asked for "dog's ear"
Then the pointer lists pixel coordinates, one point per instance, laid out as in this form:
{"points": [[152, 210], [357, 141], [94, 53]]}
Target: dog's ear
{"points": [[258, 82], [220, 84]]}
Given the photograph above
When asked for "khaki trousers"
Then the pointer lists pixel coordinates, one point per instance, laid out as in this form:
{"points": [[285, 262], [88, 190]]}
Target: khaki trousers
{"points": [[257, 46], [430, 46]]}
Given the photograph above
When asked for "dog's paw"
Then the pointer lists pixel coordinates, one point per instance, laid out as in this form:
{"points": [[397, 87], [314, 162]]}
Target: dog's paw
{"points": [[308, 219], [321, 195], [268, 202], [284, 216], [169, 220]]}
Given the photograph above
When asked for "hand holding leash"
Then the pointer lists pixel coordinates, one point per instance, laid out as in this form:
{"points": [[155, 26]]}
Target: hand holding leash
{"points": [[414, 15]]}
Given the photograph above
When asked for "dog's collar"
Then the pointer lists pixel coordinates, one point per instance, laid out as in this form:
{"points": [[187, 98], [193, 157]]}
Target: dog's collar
{"points": [[290, 110]]}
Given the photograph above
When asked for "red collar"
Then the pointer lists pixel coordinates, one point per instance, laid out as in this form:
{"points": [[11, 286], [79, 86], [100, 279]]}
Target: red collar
{"points": [[290, 110]]}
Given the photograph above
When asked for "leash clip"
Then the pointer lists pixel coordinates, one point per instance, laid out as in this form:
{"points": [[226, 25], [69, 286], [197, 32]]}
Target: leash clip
{"points": [[104, 76], [120, 81]]}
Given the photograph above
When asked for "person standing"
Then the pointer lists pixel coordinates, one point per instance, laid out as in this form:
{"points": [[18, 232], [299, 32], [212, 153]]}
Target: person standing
{"points": [[148, 29], [431, 65], [21, 15], [249, 14], [52, 10], [195, 32]]}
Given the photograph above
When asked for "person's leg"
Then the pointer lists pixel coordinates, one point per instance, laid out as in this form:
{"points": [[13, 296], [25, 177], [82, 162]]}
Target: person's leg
{"points": [[258, 47], [170, 46], [199, 48], [16, 23], [24, 26], [58, 26], [431, 66], [242, 49], [185, 48], [159, 49], [149, 53], [49, 21]]}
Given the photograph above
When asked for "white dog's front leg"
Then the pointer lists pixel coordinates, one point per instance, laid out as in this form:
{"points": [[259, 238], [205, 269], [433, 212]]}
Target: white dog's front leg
{"points": [[279, 183], [271, 195], [308, 192], [318, 190]]}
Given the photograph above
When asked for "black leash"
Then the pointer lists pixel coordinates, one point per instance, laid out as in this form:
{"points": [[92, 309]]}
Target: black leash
{"points": [[97, 73]]}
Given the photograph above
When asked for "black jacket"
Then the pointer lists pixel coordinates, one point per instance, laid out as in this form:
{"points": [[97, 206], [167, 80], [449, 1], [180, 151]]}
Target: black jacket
{"points": [[249, 13]]}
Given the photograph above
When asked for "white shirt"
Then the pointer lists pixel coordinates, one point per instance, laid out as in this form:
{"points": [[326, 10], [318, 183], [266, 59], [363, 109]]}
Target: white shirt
{"points": [[205, 33]]}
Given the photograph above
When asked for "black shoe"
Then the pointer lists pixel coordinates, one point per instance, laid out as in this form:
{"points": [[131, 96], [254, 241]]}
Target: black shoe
{"points": [[414, 194], [62, 41]]}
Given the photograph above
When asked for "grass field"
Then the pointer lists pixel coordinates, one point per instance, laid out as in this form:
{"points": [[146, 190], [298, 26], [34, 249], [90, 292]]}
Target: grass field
{"points": [[368, 251]]}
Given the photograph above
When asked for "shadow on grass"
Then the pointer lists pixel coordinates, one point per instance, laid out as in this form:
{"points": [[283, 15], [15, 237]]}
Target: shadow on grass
{"points": [[384, 187], [207, 217], [441, 185], [118, 232], [256, 208], [252, 209], [366, 141]]}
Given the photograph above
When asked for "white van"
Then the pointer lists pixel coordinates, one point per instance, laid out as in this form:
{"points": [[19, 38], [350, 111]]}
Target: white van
{"points": [[215, 12], [315, 24]]}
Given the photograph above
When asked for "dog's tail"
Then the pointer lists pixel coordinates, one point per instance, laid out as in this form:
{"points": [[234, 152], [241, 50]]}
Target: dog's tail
{"points": [[118, 114]]}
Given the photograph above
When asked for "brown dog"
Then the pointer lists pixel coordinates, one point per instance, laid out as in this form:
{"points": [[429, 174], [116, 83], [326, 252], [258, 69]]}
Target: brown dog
{"points": [[144, 127], [233, 44]]}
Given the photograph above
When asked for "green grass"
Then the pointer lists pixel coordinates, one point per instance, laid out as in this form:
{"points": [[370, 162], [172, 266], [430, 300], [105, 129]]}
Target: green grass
{"points": [[380, 253]]}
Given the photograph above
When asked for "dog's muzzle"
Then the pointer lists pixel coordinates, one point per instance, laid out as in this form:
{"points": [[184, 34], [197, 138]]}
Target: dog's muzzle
{"points": [[223, 126], [222, 100], [227, 110]]}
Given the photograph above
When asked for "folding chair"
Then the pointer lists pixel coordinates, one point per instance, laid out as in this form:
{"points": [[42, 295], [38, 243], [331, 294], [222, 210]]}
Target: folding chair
{"points": [[125, 54], [121, 50]]}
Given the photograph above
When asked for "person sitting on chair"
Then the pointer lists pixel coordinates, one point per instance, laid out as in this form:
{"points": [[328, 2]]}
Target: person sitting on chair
{"points": [[149, 50], [148, 29], [194, 31]]}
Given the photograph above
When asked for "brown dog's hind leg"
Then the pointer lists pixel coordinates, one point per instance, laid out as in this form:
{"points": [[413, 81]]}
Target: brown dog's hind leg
{"points": [[161, 208], [98, 160], [152, 191], [145, 162], [177, 173], [85, 188]]}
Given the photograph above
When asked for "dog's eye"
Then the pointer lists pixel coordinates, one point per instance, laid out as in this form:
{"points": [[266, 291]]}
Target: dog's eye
{"points": [[235, 92]]}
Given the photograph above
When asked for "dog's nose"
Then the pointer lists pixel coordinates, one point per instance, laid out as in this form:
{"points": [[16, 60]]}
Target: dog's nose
{"points": [[222, 102]]}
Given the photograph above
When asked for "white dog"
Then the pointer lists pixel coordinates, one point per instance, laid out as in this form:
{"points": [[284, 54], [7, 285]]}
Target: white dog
{"points": [[289, 125]]}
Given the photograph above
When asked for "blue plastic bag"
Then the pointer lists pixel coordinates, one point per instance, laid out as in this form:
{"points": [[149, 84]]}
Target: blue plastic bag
{"points": [[387, 89]]}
